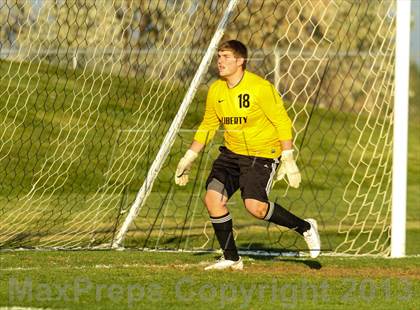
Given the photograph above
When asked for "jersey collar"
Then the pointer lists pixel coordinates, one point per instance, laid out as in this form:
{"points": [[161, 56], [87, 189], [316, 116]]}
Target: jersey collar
{"points": [[239, 82]]}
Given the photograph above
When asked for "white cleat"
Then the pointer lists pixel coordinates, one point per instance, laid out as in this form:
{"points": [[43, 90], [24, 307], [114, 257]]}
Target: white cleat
{"points": [[312, 238], [225, 264]]}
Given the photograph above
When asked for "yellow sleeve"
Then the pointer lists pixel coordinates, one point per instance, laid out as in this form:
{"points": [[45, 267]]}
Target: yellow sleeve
{"points": [[273, 107], [210, 122]]}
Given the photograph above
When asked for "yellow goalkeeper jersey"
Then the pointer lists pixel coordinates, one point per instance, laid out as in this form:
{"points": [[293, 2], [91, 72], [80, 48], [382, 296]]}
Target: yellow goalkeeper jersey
{"points": [[252, 114]]}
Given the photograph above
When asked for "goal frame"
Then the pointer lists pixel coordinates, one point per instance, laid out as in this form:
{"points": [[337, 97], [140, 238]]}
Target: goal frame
{"points": [[170, 137], [400, 138], [400, 130]]}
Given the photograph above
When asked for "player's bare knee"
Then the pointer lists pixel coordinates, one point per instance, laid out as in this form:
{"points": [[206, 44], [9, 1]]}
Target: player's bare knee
{"points": [[210, 201], [256, 208], [215, 202]]}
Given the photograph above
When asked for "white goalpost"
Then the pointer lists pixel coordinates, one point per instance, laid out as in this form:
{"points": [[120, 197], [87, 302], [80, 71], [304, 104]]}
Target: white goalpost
{"points": [[100, 99], [175, 126], [400, 149]]}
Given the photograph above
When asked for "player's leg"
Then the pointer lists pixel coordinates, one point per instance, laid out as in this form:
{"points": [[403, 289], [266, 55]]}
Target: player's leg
{"points": [[221, 184], [273, 212], [255, 185], [221, 220]]}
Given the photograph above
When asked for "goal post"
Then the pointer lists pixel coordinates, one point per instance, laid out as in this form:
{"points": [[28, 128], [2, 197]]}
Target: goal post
{"points": [[400, 149], [175, 126]]}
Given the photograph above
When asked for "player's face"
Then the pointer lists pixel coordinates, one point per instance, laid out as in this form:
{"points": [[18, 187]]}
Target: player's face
{"points": [[228, 64]]}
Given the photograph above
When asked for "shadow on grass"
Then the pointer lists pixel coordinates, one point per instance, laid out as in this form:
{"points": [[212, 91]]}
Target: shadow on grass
{"points": [[274, 255], [311, 263]]}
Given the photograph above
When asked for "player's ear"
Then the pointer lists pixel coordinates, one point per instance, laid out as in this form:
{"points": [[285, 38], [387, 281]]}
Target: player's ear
{"points": [[240, 61]]}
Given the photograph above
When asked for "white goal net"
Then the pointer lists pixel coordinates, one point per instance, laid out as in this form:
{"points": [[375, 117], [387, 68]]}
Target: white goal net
{"points": [[88, 91]]}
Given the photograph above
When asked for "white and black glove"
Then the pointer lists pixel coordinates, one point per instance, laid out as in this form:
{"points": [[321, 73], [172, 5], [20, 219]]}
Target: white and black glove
{"points": [[288, 167], [184, 168]]}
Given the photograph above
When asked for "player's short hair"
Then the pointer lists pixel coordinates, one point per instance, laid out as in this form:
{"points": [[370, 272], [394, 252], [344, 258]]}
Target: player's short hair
{"points": [[237, 47]]}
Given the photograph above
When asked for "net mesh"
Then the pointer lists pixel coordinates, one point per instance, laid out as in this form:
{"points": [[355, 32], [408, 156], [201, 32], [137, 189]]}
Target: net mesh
{"points": [[89, 88]]}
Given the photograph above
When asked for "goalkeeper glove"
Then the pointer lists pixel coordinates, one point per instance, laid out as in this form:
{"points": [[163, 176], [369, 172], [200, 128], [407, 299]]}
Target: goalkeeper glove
{"points": [[288, 167], [184, 168]]}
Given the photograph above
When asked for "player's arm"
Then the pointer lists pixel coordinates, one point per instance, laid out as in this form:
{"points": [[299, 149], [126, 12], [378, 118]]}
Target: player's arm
{"points": [[272, 105], [209, 124], [274, 109], [204, 134]]}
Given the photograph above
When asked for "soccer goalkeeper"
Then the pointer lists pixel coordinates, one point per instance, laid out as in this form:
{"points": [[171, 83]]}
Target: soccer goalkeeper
{"points": [[258, 136]]}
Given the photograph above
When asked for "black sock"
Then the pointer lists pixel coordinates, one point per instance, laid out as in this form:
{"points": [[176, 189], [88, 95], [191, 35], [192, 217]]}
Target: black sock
{"points": [[278, 215], [223, 228]]}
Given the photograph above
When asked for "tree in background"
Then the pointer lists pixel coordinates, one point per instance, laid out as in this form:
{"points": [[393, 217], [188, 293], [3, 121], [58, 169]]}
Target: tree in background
{"points": [[14, 19], [292, 40], [62, 30]]}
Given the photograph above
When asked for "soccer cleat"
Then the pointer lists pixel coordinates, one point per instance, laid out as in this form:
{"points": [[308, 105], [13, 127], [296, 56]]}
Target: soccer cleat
{"points": [[312, 238], [223, 263]]}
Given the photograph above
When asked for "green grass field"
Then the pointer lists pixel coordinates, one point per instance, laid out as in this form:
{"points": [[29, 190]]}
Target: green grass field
{"points": [[145, 280]]}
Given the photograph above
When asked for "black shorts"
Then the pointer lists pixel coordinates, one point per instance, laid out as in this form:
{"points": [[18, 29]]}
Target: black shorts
{"points": [[252, 175]]}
